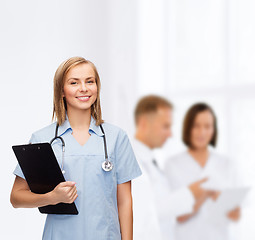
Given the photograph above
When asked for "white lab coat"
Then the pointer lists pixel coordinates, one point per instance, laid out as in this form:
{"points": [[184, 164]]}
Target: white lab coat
{"points": [[155, 206], [181, 171]]}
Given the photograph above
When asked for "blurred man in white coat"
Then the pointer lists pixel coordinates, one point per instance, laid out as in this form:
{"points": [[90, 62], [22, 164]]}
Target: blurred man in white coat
{"points": [[155, 206]]}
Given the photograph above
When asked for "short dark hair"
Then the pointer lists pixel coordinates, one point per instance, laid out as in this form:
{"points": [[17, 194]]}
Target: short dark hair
{"points": [[189, 121], [150, 103]]}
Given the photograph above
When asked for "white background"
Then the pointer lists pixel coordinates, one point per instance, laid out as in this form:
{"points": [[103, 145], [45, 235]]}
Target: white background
{"points": [[187, 51]]}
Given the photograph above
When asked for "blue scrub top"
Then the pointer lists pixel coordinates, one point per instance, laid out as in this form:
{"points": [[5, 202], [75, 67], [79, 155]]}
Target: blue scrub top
{"points": [[97, 190]]}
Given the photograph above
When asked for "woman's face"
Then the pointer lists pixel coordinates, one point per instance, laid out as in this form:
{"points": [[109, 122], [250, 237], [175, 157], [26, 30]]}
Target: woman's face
{"points": [[80, 88], [202, 130]]}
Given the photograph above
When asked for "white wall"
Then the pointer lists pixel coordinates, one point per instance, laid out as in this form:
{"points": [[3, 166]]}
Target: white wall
{"points": [[119, 92]]}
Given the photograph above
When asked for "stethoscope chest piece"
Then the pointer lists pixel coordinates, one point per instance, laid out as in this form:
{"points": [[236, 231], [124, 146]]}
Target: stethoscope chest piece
{"points": [[107, 166]]}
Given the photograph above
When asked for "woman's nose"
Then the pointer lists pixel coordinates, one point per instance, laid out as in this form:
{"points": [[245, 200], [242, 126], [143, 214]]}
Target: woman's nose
{"points": [[83, 87]]}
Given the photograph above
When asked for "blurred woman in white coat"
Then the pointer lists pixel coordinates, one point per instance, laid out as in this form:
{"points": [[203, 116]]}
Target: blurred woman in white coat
{"points": [[200, 131]]}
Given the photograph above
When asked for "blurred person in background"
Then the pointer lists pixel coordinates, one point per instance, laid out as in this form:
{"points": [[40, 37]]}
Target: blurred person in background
{"points": [[200, 131], [155, 206]]}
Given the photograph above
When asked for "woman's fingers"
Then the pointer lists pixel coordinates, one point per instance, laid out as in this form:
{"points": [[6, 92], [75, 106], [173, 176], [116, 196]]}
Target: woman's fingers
{"points": [[65, 192], [73, 195], [214, 195]]}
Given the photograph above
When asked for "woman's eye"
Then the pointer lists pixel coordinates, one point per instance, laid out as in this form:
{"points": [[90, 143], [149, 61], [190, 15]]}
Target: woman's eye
{"points": [[91, 81], [73, 83]]}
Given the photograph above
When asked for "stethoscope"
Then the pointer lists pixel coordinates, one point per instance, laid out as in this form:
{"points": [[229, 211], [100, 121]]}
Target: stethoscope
{"points": [[106, 165]]}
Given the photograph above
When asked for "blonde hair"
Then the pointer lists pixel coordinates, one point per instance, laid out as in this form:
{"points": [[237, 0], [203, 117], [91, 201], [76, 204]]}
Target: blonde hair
{"points": [[59, 104]]}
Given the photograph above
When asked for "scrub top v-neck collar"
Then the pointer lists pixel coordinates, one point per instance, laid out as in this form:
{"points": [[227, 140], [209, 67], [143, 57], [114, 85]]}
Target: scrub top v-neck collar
{"points": [[65, 130], [92, 127]]}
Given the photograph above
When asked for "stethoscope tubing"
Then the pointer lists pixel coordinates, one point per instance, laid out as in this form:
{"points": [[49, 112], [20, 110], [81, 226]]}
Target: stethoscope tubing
{"points": [[106, 165]]}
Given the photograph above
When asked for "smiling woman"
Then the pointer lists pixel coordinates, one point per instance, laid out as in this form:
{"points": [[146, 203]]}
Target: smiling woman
{"points": [[83, 74], [80, 84], [102, 196]]}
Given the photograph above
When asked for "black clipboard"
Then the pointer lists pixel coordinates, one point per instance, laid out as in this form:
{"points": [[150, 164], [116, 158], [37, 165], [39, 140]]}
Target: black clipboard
{"points": [[42, 172]]}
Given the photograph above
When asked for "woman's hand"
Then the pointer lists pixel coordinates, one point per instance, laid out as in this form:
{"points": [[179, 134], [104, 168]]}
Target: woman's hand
{"points": [[214, 195], [234, 214], [184, 218], [64, 192], [200, 195], [21, 195]]}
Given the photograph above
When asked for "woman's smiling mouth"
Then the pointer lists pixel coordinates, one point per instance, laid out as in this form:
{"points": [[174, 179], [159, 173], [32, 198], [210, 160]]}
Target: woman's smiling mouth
{"points": [[83, 98]]}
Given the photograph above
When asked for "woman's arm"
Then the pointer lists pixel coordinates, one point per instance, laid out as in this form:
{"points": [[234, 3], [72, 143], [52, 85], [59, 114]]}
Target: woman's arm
{"points": [[203, 196], [124, 201], [21, 196]]}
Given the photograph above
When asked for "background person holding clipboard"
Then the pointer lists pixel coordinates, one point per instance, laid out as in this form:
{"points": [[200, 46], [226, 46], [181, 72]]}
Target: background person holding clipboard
{"points": [[100, 187], [200, 131]]}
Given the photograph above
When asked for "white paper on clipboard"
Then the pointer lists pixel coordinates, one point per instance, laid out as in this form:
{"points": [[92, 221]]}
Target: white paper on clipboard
{"points": [[228, 200]]}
